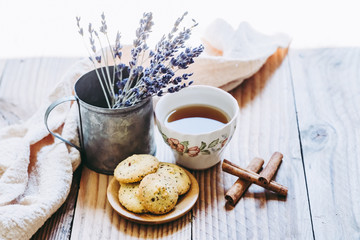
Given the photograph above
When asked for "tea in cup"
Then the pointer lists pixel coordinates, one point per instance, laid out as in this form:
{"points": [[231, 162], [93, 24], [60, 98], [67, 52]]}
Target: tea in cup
{"points": [[197, 123]]}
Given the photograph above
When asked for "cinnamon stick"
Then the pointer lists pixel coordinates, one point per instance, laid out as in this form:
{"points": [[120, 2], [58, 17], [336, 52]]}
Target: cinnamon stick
{"points": [[244, 174], [240, 186], [270, 169]]}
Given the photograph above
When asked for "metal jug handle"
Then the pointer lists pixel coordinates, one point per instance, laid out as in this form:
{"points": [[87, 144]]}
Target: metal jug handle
{"points": [[47, 113]]}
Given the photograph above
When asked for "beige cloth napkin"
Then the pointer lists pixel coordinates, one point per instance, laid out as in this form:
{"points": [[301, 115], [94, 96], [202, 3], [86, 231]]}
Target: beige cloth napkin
{"points": [[234, 55], [36, 169]]}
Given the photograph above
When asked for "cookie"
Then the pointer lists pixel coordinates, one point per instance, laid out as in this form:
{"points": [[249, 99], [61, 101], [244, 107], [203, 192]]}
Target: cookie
{"points": [[135, 168], [128, 197], [178, 174], [158, 193]]}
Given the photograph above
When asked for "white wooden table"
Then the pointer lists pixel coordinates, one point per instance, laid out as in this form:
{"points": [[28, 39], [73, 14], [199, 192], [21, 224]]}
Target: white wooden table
{"points": [[303, 103]]}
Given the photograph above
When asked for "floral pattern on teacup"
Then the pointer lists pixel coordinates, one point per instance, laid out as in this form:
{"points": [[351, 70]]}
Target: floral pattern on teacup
{"points": [[193, 151]]}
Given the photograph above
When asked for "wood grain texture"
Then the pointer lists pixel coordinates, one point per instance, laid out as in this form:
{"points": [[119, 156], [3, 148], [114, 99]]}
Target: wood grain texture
{"points": [[25, 82], [95, 218], [307, 98], [327, 93], [9, 112], [267, 124], [2, 66]]}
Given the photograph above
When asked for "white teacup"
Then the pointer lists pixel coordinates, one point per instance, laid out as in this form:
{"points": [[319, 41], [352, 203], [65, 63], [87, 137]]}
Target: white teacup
{"points": [[203, 150]]}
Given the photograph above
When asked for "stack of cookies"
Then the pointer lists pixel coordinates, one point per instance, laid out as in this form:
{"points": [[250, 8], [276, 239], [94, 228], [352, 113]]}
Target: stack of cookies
{"points": [[147, 185]]}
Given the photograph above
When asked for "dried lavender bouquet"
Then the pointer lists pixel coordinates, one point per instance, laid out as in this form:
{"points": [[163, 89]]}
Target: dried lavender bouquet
{"points": [[162, 63]]}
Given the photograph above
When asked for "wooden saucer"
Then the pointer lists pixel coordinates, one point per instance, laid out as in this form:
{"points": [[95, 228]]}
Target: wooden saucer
{"points": [[184, 204]]}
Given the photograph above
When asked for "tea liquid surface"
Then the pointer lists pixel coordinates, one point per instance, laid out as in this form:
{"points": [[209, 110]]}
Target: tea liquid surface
{"points": [[196, 119]]}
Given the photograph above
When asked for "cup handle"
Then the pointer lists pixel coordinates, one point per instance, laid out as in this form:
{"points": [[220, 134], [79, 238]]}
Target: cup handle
{"points": [[47, 113]]}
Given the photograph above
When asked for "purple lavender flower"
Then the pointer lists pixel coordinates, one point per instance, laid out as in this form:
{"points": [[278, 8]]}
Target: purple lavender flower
{"points": [[132, 83], [103, 27], [81, 31]]}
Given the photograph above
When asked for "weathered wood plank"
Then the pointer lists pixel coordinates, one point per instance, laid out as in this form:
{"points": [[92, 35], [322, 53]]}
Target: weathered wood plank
{"points": [[327, 93], [25, 82], [18, 81], [2, 66], [95, 219], [267, 124], [9, 113]]}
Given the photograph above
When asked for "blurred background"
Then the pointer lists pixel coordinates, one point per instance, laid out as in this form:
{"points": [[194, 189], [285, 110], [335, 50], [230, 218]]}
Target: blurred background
{"points": [[48, 28]]}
